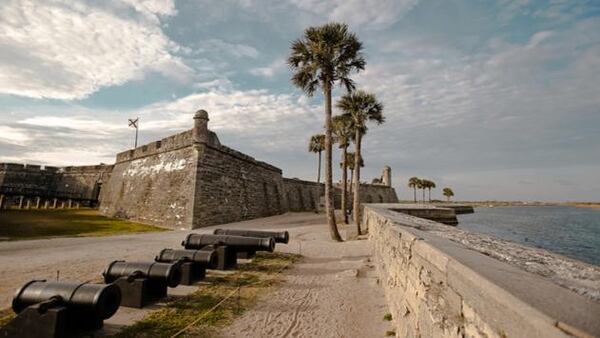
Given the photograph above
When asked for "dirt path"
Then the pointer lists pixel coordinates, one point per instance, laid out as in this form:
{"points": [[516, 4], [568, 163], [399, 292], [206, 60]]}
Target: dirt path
{"points": [[333, 292]]}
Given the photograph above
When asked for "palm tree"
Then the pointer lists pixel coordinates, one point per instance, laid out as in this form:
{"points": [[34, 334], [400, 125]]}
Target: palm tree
{"points": [[324, 56], [430, 185], [421, 185], [317, 145], [342, 131], [427, 184], [350, 163], [361, 107], [448, 193], [413, 182]]}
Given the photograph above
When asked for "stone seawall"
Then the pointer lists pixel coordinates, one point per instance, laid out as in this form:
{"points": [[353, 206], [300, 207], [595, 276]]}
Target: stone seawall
{"points": [[438, 287]]}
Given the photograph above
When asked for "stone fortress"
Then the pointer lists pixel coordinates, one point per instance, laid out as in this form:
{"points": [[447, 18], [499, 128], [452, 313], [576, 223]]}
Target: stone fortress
{"points": [[188, 180]]}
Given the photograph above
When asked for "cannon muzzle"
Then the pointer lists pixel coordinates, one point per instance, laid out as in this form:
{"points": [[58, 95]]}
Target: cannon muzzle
{"points": [[167, 273], [204, 258], [240, 243], [279, 236], [94, 300]]}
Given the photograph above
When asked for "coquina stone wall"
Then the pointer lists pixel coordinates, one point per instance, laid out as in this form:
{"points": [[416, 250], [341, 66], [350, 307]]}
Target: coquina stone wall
{"points": [[231, 186], [377, 193], [302, 195], [154, 183], [436, 287], [35, 185]]}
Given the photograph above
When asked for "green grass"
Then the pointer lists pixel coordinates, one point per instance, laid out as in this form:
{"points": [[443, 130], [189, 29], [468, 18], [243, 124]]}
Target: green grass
{"points": [[32, 224], [387, 317], [5, 316], [255, 278]]}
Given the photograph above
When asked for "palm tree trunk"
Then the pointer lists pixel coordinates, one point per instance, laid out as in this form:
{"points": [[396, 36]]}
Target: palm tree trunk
{"points": [[329, 206], [317, 202], [356, 201], [423, 195], [429, 194], [415, 193], [345, 184], [351, 180], [319, 169]]}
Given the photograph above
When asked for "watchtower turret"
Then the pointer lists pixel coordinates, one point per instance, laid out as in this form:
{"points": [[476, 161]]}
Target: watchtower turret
{"points": [[200, 131]]}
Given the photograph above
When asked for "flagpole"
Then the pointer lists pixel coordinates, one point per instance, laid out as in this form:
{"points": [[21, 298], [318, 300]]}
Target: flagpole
{"points": [[135, 124], [136, 131]]}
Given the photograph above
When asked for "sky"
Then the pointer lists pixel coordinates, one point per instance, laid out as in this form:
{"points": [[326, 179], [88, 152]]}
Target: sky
{"points": [[499, 100]]}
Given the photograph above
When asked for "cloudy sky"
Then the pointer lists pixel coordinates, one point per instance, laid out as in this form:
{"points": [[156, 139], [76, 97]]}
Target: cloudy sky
{"points": [[496, 99]]}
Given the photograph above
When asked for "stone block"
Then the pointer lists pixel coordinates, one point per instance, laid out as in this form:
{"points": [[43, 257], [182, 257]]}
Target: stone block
{"points": [[502, 312]]}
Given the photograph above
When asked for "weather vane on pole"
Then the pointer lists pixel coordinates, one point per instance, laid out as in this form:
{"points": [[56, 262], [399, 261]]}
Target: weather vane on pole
{"points": [[135, 124]]}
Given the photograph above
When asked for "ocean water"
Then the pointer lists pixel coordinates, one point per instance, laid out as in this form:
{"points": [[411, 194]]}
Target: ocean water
{"points": [[572, 232]]}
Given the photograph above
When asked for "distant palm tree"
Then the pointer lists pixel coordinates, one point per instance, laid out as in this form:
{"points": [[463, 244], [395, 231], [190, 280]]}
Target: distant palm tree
{"points": [[421, 185], [343, 133], [317, 145], [413, 182], [448, 193], [427, 184], [361, 107], [324, 56], [350, 161]]}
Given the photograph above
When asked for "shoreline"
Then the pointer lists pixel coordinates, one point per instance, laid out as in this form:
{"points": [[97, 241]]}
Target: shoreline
{"points": [[479, 204]]}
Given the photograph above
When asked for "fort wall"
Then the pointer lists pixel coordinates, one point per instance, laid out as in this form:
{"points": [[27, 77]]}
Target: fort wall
{"points": [[439, 287], [302, 195], [233, 186], [33, 184], [155, 188]]}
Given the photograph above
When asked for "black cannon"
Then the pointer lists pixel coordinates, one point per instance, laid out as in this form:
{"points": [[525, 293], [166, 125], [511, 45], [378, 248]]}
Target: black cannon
{"points": [[193, 262], [278, 236], [142, 282], [59, 309], [245, 247]]}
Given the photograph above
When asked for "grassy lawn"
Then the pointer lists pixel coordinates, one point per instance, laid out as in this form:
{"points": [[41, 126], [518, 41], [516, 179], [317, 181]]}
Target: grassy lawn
{"points": [[32, 224], [255, 279]]}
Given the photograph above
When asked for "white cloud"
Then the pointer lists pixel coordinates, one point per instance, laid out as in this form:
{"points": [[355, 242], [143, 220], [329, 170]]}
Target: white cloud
{"points": [[67, 50], [370, 13], [61, 157], [275, 67], [253, 113], [78, 123], [153, 7], [14, 136]]}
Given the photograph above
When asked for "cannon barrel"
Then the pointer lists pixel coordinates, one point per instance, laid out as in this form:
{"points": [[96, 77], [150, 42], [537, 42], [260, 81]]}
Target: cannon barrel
{"points": [[197, 241], [168, 273], [279, 236], [206, 258], [98, 300]]}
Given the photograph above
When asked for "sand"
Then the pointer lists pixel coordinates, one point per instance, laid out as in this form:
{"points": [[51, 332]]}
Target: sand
{"points": [[333, 292]]}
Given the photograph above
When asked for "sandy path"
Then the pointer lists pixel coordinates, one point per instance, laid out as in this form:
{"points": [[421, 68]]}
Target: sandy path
{"points": [[333, 292]]}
